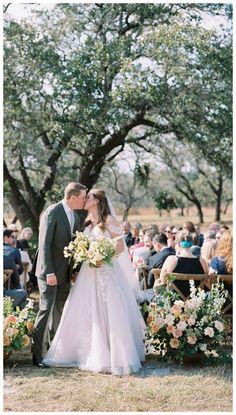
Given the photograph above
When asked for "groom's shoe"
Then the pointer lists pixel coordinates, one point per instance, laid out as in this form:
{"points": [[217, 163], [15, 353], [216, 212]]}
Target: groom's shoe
{"points": [[37, 361]]}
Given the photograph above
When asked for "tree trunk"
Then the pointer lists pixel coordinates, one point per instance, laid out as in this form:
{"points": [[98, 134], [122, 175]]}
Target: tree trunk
{"points": [[218, 198], [126, 214]]}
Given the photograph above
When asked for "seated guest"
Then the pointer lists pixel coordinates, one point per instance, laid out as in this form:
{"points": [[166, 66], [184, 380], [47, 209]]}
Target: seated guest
{"points": [[214, 227], [25, 259], [170, 237], [14, 228], [153, 227], [138, 245], [222, 262], [209, 246], [18, 295], [195, 248], [128, 237], [185, 263], [24, 238], [10, 250], [142, 254], [223, 228], [158, 259], [136, 230]]}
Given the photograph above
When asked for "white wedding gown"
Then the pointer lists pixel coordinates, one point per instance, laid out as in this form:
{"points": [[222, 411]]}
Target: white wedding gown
{"points": [[101, 328]]}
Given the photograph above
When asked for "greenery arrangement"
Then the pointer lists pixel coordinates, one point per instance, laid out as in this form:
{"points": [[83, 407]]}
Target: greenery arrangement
{"points": [[17, 325], [177, 329]]}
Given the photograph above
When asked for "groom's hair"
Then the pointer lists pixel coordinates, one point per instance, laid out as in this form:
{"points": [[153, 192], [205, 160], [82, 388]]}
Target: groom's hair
{"points": [[73, 188]]}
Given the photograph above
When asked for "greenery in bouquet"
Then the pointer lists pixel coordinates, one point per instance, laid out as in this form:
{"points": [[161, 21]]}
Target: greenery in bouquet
{"points": [[17, 325], [101, 250], [77, 250], [176, 329]]}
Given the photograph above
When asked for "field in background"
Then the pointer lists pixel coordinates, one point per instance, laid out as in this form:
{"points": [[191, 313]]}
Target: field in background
{"points": [[149, 215]]}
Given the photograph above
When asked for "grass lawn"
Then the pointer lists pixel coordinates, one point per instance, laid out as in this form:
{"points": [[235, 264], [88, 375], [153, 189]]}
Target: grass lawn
{"points": [[178, 389]]}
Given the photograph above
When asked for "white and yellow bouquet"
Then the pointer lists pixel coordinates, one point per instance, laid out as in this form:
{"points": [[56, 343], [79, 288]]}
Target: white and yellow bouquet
{"points": [[176, 329], [77, 250], [101, 250], [92, 251]]}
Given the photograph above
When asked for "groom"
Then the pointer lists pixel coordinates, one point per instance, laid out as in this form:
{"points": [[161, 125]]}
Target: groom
{"points": [[57, 224]]}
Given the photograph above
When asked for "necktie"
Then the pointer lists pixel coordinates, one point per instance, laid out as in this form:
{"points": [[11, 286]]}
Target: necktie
{"points": [[72, 220]]}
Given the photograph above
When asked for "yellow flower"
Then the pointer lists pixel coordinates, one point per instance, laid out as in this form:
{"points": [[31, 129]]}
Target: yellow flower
{"points": [[25, 340], [6, 340]]}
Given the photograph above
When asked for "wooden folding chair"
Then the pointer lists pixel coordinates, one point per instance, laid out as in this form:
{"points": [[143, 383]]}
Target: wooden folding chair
{"points": [[7, 273]]}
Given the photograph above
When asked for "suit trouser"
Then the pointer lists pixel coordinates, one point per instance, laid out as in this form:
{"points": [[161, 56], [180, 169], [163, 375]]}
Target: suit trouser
{"points": [[52, 300]]}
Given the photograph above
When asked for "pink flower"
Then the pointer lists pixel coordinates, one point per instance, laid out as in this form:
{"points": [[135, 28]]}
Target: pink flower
{"points": [[176, 309], [177, 333], [181, 325], [174, 343], [192, 339], [170, 329], [191, 321], [219, 326], [209, 331]]}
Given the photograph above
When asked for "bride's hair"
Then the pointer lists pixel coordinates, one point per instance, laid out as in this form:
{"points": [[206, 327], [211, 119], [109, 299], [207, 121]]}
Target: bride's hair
{"points": [[103, 208]]}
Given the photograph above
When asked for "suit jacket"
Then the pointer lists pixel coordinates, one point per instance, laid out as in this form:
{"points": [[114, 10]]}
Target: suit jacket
{"points": [[54, 235], [15, 254], [9, 263], [158, 259], [129, 239]]}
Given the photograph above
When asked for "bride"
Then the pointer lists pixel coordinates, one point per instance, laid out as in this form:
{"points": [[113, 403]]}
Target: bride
{"points": [[101, 328]]}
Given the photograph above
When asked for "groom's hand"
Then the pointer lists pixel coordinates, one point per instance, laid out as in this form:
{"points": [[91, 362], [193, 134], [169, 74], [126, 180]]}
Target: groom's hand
{"points": [[74, 276], [51, 280]]}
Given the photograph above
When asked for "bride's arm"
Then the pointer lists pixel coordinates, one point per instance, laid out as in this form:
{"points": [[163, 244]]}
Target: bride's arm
{"points": [[116, 233]]}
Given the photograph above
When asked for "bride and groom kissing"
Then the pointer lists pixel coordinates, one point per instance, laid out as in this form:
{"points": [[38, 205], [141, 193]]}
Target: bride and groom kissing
{"points": [[93, 324]]}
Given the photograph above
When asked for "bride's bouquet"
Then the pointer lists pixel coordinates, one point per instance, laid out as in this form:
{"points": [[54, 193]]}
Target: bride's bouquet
{"points": [[92, 251]]}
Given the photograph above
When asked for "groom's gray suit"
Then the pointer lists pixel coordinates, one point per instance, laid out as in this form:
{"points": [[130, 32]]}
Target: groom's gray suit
{"points": [[54, 235]]}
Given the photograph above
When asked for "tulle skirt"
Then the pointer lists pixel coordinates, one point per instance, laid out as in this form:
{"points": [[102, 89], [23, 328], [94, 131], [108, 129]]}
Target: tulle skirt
{"points": [[101, 328]]}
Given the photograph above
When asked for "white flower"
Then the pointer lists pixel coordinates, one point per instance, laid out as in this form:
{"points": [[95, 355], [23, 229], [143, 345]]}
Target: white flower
{"points": [[209, 331], [219, 326], [203, 347], [169, 319]]}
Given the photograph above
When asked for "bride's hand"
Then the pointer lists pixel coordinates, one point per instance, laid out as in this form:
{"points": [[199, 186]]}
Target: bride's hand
{"points": [[98, 264]]}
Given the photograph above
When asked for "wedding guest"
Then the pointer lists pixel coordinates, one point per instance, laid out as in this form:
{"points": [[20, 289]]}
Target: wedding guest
{"points": [[25, 235], [19, 296], [195, 248], [185, 263], [158, 259], [136, 230], [13, 227], [222, 262], [128, 237], [209, 246], [10, 250], [170, 237], [142, 254], [224, 228], [215, 227]]}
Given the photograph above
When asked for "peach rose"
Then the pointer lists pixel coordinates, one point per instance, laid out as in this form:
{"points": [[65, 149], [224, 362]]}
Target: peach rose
{"points": [[192, 339], [181, 325], [6, 340], [29, 326], [25, 340], [154, 328], [174, 343], [10, 319], [170, 329], [176, 309]]}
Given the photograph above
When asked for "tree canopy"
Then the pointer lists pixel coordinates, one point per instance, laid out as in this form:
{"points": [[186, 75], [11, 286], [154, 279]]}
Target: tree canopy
{"points": [[83, 81]]}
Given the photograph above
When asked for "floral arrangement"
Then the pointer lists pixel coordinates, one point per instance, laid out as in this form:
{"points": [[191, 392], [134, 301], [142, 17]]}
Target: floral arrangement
{"points": [[83, 248], [17, 325], [176, 329]]}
